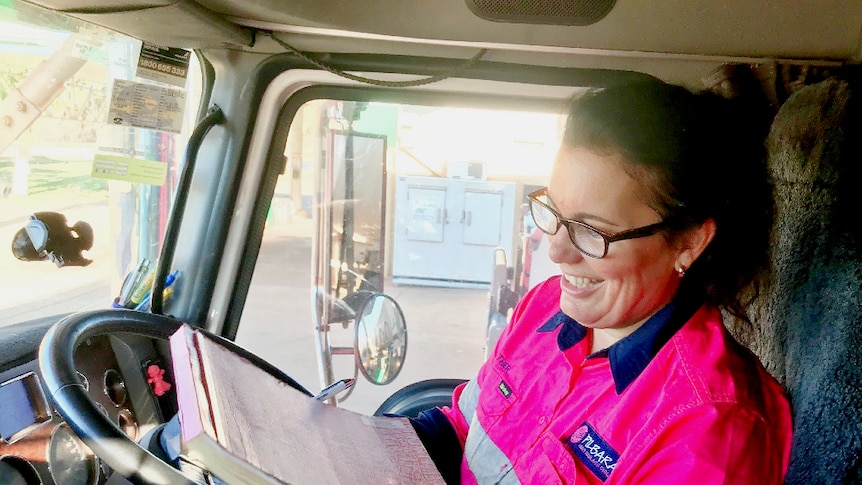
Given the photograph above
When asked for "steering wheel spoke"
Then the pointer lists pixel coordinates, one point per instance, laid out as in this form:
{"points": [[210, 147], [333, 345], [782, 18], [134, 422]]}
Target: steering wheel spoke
{"points": [[73, 403]]}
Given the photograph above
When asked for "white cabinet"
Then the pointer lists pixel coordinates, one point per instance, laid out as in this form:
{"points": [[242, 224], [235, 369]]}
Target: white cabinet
{"points": [[446, 230]]}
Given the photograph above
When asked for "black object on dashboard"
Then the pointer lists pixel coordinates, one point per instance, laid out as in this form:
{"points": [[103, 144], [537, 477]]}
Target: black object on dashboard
{"points": [[47, 236]]}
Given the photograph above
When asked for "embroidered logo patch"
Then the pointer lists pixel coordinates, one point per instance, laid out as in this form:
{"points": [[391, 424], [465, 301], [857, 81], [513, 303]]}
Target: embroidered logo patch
{"points": [[593, 451], [504, 390]]}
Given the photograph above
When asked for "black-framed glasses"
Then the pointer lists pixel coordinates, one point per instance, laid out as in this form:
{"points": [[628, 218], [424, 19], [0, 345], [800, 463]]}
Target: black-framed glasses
{"points": [[589, 240]]}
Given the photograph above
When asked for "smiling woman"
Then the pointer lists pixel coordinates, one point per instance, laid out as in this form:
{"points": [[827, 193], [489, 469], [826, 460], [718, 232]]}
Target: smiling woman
{"points": [[348, 148], [633, 322], [633, 278]]}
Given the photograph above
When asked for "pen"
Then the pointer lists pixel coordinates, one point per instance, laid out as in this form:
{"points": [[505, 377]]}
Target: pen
{"points": [[145, 303], [126, 287], [133, 280], [171, 278], [334, 389], [142, 289]]}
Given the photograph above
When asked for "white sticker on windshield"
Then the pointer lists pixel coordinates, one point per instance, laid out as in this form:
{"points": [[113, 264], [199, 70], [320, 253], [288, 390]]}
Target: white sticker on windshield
{"points": [[147, 106]]}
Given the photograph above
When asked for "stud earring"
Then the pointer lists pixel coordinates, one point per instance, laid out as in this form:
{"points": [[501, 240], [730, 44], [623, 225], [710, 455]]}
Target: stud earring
{"points": [[680, 270]]}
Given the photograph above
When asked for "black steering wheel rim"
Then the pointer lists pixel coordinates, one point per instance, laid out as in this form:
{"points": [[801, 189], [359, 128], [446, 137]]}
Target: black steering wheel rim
{"points": [[108, 442]]}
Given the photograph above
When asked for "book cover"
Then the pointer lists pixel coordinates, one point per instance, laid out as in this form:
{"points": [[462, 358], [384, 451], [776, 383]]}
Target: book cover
{"points": [[246, 426]]}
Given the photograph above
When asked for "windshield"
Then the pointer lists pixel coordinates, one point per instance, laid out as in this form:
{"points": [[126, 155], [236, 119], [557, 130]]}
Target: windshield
{"points": [[408, 200], [94, 135]]}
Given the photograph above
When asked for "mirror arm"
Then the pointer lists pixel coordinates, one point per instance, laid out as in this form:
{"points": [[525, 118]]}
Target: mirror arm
{"points": [[342, 350]]}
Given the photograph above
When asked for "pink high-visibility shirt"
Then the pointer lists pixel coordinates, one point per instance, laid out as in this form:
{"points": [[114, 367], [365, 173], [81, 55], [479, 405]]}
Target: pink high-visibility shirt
{"points": [[677, 401]]}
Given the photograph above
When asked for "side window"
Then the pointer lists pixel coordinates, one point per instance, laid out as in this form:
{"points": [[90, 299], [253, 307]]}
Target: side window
{"points": [[97, 168], [407, 200]]}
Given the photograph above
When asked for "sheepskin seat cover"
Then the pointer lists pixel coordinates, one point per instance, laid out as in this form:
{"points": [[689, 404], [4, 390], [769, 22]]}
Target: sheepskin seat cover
{"points": [[811, 336]]}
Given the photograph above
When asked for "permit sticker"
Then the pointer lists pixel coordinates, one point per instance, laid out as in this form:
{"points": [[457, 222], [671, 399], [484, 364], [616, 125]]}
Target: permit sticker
{"points": [[128, 169], [147, 106], [593, 451]]}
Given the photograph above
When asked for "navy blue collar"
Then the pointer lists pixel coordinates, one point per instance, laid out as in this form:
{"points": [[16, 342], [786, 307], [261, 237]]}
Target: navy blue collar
{"points": [[629, 356]]}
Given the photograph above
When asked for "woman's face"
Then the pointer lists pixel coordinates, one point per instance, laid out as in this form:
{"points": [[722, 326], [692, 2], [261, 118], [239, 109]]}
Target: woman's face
{"points": [[637, 277]]}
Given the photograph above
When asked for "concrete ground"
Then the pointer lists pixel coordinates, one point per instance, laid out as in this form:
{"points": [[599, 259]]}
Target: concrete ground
{"points": [[445, 325]]}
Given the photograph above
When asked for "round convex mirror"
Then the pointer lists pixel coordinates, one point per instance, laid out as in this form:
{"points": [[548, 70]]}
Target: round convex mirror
{"points": [[381, 339]]}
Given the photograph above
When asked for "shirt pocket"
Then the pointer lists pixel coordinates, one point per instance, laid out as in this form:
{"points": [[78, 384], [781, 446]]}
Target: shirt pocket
{"points": [[553, 463], [497, 396]]}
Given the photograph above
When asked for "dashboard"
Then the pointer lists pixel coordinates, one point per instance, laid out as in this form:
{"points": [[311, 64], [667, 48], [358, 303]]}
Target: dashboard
{"points": [[36, 446]]}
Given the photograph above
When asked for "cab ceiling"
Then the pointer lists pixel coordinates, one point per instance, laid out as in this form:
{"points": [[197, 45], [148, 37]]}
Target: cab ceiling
{"points": [[766, 29]]}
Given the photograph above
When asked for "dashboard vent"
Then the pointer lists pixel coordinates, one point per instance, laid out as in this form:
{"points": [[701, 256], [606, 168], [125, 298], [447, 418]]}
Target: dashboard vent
{"points": [[552, 12]]}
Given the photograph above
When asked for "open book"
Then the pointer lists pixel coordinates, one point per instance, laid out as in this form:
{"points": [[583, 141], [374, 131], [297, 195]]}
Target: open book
{"points": [[247, 427]]}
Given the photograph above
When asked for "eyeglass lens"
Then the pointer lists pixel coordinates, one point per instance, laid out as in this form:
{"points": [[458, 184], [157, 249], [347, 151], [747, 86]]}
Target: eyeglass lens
{"points": [[583, 237]]}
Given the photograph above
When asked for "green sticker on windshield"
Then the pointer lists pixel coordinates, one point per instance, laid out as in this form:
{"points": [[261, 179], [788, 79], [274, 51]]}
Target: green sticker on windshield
{"points": [[129, 169]]}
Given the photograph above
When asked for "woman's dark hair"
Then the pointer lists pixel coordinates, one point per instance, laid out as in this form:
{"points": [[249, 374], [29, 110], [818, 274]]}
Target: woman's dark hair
{"points": [[696, 156]]}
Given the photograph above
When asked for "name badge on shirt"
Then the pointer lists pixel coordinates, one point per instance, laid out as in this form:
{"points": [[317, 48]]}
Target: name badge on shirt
{"points": [[593, 451], [504, 389]]}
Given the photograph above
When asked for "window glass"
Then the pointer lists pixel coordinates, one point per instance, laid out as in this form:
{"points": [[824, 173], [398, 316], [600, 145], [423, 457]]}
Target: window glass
{"points": [[99, 175], [413, 201]]}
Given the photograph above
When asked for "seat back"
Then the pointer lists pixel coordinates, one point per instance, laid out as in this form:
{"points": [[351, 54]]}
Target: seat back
{"points": [[809, 332]]}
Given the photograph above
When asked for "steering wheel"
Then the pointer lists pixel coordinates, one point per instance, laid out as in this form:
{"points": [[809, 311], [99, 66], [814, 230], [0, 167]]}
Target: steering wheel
{"points": [[114, 448]]}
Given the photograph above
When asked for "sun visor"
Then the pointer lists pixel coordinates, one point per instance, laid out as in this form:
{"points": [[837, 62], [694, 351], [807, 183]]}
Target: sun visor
{"points": [[176, 23], [103, 5]]}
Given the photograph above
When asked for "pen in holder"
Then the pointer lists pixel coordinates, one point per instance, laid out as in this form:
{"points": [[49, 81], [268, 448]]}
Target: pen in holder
{"points": [[131, 283], [141, 290], [144, 304]]}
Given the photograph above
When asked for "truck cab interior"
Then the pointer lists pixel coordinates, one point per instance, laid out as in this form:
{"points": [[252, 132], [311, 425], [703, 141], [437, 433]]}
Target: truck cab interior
{"points": [[269, 171]]}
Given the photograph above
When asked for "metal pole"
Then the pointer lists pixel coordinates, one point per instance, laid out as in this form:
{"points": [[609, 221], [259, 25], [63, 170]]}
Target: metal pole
{"points": [[321, 253]]}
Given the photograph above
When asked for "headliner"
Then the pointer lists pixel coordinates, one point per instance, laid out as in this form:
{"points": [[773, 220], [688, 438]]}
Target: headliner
{"points": [[821, 30]]}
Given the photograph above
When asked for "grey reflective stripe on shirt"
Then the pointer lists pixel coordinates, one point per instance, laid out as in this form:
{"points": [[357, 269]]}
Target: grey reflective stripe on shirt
{"points": [[487, 462], [469, 400]]}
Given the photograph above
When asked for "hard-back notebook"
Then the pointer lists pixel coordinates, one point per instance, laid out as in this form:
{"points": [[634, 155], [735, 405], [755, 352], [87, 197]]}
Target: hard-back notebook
{"points": [[248, 427]]}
